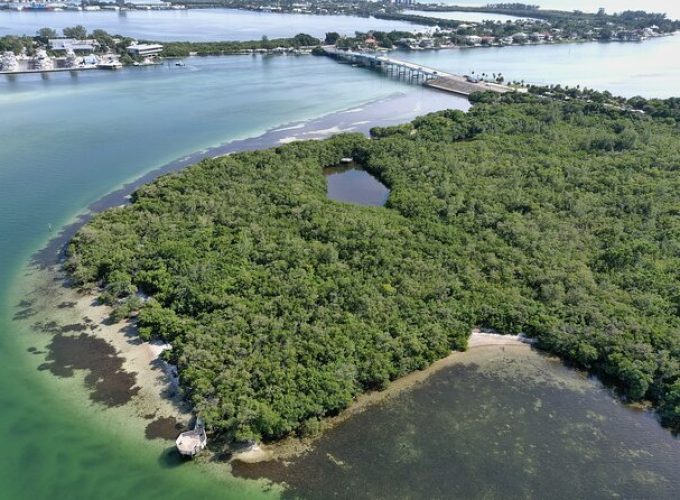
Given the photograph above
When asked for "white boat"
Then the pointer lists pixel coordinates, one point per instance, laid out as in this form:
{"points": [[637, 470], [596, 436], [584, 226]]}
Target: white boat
{"points": [[9, 62], [71, 59], [110, 65], [191, 443], [41, 61]]}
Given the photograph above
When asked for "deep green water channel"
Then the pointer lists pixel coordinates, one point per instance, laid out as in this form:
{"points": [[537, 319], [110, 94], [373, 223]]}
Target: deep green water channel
{"points": [[66, 141]]}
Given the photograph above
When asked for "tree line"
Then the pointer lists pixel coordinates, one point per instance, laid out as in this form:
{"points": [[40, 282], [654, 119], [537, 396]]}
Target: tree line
{"points": [[555, 218]]}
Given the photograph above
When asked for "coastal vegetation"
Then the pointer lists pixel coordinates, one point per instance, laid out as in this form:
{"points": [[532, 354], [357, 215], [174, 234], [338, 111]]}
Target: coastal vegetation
{"points": [[552, 213], [535, 26], [100, 41], [183, 49], [541, 25], [17, 44], [574, 19], [575, 23]]}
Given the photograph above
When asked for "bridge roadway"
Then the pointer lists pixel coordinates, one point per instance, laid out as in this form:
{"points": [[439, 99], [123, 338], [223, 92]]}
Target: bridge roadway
{"points": [[431, 77]]}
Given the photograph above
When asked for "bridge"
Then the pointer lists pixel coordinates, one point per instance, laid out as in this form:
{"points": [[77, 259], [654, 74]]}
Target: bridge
{"points": [[415, 73]]}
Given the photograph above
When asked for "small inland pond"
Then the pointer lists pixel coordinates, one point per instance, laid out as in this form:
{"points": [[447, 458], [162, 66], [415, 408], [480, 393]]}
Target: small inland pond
{"points": [[350, 183]]}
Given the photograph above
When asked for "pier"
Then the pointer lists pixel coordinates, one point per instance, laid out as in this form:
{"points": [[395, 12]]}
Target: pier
{"points": [[416, 73]]}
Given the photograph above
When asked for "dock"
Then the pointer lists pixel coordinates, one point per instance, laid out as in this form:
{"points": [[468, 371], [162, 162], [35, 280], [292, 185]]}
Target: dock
{"points": [[416, 73]]}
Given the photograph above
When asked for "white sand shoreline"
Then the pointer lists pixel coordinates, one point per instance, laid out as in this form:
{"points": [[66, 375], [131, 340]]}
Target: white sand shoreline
{"points": [[157, 380], [156, 392], [159, 396]]}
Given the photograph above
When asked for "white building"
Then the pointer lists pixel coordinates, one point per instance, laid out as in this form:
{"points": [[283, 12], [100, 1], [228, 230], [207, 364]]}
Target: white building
{"points": [[145, 49], [66, 44]]}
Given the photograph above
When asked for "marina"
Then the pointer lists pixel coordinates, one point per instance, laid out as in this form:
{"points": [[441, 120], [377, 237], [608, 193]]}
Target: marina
{"points": [[51, 70]]}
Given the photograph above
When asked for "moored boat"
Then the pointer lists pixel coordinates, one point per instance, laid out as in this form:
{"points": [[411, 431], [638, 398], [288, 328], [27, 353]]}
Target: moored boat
{"points": [[191, 443], [41, 61], [9, 62], [110, 65]]}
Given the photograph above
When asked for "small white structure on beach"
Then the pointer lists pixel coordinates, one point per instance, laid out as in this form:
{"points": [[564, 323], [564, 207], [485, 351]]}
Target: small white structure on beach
{"points": [[192, 442]]}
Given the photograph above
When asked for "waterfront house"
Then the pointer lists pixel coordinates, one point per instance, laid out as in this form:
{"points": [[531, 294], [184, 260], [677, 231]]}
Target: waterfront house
{"points": [[370, 42], [145, 49], [90, 60], [405, 42], [473, 39], [66, 44]]}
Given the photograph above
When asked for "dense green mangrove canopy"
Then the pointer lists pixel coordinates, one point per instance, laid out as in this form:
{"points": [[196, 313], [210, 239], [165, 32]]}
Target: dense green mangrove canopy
{"points": [[560, 219]]}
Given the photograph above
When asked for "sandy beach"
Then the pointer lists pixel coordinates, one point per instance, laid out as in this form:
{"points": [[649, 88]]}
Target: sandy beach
{"points": [[158, 386], [120, 372], [125, 371]]}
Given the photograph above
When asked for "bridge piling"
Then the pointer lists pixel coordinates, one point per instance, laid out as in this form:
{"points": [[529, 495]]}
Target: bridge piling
{"points": [[414, 73]]}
